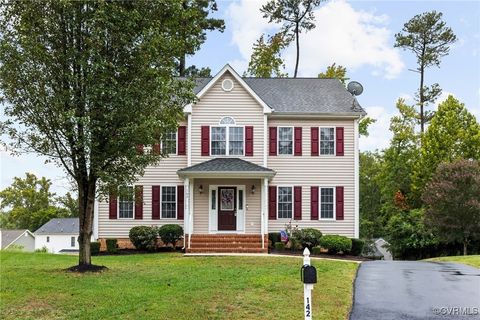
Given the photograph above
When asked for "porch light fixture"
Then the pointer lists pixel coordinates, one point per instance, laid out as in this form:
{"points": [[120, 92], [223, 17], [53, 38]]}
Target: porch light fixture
{"points": [[253, 188], [200, 189]]}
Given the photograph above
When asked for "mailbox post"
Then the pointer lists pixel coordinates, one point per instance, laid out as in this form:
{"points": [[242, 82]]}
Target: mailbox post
{"points": [[309, 277]]}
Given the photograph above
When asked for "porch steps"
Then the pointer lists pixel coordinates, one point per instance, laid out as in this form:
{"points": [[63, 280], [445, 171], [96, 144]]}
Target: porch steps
{"points": [[226, 243]]}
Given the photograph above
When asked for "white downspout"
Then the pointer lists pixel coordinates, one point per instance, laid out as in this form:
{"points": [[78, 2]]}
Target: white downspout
{"points": [[357, 183], [189, 139]]}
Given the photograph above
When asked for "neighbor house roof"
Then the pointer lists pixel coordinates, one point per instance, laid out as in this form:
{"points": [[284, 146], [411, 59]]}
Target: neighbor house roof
{"points": [[9, 236], [300, 95], [60, 226], [227, 166]]}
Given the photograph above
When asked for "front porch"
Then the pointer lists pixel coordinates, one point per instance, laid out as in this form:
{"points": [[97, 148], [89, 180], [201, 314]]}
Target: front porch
{"points": [[226, 206]]}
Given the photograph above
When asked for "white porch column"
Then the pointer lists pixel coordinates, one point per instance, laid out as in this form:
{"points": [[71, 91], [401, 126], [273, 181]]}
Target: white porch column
{"points": [[186, 219], [190, 208], [264, 210]]}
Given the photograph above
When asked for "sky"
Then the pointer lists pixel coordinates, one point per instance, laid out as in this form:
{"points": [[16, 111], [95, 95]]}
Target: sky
{"points": [[356, 34]]}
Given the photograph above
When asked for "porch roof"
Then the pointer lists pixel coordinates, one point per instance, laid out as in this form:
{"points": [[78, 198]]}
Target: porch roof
{"points": [[226, 167]]}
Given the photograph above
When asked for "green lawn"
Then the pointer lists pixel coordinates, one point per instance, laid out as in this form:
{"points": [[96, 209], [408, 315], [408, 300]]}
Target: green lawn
{"points": [[473, 261], [169, 286]]}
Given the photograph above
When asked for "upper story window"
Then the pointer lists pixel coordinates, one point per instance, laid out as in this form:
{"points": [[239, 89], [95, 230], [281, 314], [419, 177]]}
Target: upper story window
{"points": [[227, 139], [169, 143], [125, 202], [227, 85], [285, 140], [327, 141]]}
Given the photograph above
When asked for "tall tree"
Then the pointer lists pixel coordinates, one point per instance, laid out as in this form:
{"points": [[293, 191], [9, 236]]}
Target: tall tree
{"points": [[453, 202], [296, 16], [339, 72], [428, 37], [28, 203], [371, 224], [86, 82], [196, 23], [453, 134], [194, 72], [266, 60]]}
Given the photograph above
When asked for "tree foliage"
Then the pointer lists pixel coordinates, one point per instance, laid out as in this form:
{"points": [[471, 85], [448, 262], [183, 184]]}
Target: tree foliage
{"points": [[266, 60], [453, 134], [429, 38], [453, 202], [371, 222], [336, 72], [295, 15], [28, 203], [75, 75]]}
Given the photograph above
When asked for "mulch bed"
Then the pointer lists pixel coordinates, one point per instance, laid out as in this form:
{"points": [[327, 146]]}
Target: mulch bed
{"points": [[123, 252], [83, 268], [327, 256]]}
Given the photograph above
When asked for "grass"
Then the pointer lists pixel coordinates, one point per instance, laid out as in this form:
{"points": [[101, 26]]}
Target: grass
{"points": [[473, 261], [169, 286]]}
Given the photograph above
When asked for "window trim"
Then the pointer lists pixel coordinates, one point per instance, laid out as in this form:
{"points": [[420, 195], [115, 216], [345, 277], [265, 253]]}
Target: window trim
{"points": [[334, 141], [278, 141], [176, 144], [227, 139], [334, 218], [133, 208], [293, 202], [161, 201]]}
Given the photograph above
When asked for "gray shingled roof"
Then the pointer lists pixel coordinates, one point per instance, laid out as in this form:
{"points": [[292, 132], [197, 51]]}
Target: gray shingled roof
{"points": [[8, 236], [300, 95], [226, 165], [60, 225]]}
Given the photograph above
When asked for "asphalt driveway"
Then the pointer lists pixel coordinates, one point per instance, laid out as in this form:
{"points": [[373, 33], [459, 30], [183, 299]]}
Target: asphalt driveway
{"points": [[416, 290]]}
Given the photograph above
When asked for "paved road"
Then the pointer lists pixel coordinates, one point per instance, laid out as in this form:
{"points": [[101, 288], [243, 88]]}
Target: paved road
{"points": [[399, 290]]}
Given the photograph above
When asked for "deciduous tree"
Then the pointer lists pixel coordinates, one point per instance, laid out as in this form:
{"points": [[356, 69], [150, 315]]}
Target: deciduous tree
{"points": [[296, 16], [266, 60], [453, 202], [86, 82], [336, 72], [429, 38]]}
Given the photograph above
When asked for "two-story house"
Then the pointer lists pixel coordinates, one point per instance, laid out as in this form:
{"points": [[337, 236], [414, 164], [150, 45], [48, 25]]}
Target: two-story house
{"points": [[251, 155]]}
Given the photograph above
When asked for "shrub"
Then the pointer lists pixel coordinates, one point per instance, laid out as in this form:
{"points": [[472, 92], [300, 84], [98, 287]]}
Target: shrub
{"points": [[111, 245], [170, 233], [274, 237], [94, 248], [280, 246], [308, 237], [336, 243], [143, 237], [316, 250], [41, 250], [357, 247]]}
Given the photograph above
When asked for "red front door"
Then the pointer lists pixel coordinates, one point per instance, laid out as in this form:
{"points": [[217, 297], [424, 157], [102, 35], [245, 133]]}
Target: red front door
{"points": [[227, 208]]}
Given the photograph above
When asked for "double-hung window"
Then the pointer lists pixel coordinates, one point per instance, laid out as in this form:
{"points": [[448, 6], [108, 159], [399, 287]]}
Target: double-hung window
{"points": [[327, 203], [169, 202], [285, 202], [125, 202], [327, 141], [169, 143], [285, 140], [72, 242], [227, 139]]}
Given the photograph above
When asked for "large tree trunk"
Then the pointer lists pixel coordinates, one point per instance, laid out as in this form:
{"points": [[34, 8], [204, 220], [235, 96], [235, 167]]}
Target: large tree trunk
{"points": [[181, 66], [465, 244], [86, 199], [422, 116], [297, 34]]}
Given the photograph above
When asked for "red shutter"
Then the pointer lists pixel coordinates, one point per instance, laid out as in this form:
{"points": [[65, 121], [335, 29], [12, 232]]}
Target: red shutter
{"points": [[314, 140], [112, 206], [297, 203], [249, 141], [339, 204], [156, 148], [314, 203], [139, 148], [181, 143], [155, 202], [138, 202], [205, 140], [272, 203], [339, 136], [180, 202], [273, 141], [298, 141]]}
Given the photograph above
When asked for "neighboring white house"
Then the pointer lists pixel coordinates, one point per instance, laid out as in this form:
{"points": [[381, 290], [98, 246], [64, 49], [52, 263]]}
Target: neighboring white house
{"points": [[58, 235], [23, 239]]}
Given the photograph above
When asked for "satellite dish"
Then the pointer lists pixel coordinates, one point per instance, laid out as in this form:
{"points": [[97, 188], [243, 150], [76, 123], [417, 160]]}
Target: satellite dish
{"points": [[355, 88]]}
